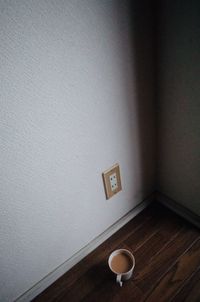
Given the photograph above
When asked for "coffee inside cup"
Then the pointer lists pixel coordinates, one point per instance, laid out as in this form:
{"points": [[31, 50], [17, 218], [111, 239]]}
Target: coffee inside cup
{"points": [[121, 263]]}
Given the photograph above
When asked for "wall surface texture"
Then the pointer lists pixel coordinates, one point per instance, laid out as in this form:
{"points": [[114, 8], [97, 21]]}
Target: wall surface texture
{"points": [[179, 102], [76, 97]]}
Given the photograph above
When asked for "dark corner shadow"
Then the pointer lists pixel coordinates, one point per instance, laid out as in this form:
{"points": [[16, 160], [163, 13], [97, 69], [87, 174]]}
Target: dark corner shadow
{"points": [[139, 82], [144, 39]]}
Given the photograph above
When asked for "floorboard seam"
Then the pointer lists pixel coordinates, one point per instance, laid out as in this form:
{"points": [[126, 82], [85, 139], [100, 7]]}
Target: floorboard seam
{"points": [[185, 282], [169, 268]]}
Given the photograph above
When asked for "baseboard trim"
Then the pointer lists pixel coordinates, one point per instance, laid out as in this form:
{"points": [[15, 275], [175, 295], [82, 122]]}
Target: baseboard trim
{"points": [[64, 267], [178, 208]]}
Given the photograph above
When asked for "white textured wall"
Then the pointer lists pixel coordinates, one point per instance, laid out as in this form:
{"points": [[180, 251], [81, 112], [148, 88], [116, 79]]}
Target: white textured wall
{"points": [[179, 102], [76, 97]]}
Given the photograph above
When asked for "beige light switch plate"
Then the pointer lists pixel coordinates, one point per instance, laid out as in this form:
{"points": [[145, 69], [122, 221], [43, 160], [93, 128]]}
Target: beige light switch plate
{"points": [[112, 181]]}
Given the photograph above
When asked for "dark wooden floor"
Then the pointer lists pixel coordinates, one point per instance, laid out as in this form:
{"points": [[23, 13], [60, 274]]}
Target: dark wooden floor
{"points": [[167, 252]]}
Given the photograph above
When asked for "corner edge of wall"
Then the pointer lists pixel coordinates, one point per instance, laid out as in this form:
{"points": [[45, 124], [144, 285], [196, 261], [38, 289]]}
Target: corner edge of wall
{"points": [[178, 208]]}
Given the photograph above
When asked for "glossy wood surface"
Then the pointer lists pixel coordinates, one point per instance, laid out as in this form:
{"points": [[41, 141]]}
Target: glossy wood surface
{"points": [[167, 253]]}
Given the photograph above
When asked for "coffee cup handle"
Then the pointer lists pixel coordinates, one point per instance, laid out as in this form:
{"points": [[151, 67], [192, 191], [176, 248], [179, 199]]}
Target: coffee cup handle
{"points": [[118, 279]]}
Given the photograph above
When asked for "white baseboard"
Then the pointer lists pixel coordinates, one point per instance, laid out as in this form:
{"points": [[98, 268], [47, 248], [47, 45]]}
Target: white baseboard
{"points": [[64, 267], [178, 208]]}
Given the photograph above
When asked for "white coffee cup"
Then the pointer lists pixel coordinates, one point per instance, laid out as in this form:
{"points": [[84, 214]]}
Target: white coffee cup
{"points": [[120, 277]]}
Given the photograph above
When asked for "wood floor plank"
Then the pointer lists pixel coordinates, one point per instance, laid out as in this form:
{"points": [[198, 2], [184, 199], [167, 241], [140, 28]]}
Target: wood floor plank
{"points": [[148, 229], [182, 270], [157, 237], [112, 292], [84, 286], [65, 282], [146, 278], [167, 232], [190, 291]]}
